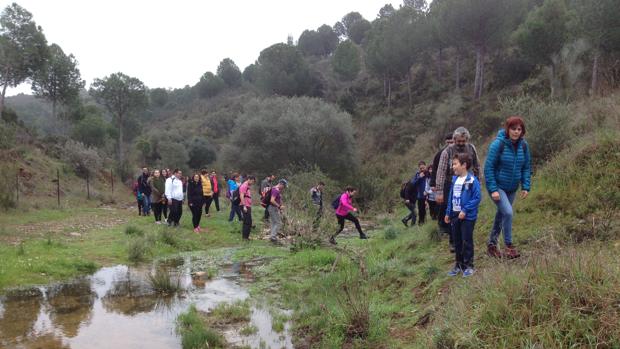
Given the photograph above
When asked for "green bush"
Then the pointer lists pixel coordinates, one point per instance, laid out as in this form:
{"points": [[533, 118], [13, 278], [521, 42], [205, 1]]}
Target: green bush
{"points": [[548, 125], [133, 230], [83, 159], [137, 250], [275, 133]]}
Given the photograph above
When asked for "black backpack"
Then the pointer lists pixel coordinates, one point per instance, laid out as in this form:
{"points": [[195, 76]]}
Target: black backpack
{"points": [[336, 202], [236, 198], [266, 199], [404, 188]]}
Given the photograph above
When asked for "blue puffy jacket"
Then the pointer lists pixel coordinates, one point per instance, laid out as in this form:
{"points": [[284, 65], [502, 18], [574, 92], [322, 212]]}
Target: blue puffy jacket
{"points": [[470, 197], [506, 170]]}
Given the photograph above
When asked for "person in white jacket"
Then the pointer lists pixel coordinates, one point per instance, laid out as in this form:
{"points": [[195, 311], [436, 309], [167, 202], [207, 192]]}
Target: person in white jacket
{"points": [[174, 196]]}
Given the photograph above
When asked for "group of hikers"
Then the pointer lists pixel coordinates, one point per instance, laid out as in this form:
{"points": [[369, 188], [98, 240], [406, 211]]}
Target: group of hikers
{"points": [[164, 191], [449, 187]]}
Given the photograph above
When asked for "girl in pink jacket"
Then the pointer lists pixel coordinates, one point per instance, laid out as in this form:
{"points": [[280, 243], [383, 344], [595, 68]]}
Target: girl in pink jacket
{"points": [[344, 211]]}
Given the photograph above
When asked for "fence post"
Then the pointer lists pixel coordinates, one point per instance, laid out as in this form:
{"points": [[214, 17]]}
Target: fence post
{"points": [[17, 187], [87, 185], [58, 186]]}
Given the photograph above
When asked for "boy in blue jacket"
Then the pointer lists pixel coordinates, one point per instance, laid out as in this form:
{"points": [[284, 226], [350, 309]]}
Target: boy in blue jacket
{"points": [[462, 212]]}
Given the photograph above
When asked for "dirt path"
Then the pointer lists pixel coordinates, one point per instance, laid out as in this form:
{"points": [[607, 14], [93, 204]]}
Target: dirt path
{"points": [[74, 225]]}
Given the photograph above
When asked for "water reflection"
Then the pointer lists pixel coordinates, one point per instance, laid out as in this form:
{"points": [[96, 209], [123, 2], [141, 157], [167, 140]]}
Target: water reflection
{"points": [[117, 308]]}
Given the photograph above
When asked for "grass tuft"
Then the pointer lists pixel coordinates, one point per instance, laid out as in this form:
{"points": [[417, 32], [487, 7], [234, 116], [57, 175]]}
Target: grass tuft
{"points": [[195, 334], [132, 230], [162, 283], [137, 250]]}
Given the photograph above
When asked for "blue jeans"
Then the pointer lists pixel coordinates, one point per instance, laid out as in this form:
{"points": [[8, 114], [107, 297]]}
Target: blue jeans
{"points": [[235, 209], [463, 235], [503, 217], [147, 204]]}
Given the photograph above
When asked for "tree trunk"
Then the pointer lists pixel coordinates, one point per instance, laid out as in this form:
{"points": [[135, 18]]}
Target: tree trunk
{"points": [[2, 97], [385, 83], [389, 93], [409, 89], [457, 81], [594, 87], [478, 82], [439, 60], [120, 140]]}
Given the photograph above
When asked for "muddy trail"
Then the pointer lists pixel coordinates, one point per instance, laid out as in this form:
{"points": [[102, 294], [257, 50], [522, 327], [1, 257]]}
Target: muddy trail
{"points": [[118, 307]]}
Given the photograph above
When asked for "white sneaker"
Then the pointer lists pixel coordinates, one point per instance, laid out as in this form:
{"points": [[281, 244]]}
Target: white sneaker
{"points": [[157, 222]]}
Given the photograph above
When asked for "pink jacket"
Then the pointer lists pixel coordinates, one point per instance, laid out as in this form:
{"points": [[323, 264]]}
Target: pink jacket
{"points": [[345, 205], [246, 195]]}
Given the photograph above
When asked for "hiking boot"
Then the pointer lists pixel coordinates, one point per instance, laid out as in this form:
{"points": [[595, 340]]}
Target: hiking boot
{"points": [[363, 236], [404, 222], [468, 272], [493, 251], [455, 271], [332, 241], [511, 252]]}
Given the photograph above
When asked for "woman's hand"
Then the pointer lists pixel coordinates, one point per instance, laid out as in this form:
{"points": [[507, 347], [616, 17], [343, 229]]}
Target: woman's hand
{"points": [[524, 194], [446, 219], [245, 209], [462, 215], [495, 196]]}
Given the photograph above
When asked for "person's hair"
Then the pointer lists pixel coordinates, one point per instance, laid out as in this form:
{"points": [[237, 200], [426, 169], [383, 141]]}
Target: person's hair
{"points": [[350, 188], [176, 170], [461, 132], [464, 158], [250, 178], [321, 183], [204, 171], [448, 137], [429, 167], [422, 163], [514, 121], [234, 176], [194, 176]]}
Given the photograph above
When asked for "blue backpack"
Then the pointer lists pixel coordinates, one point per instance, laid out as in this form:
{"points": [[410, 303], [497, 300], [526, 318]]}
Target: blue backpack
{"points": [[336, 202]]}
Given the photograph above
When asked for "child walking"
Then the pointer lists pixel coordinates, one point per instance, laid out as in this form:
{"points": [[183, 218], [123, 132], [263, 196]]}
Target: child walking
{"points": [[462, 212]]}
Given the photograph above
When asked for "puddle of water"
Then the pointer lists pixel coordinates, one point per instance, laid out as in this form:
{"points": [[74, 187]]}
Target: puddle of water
{"points": [[117, 308]]}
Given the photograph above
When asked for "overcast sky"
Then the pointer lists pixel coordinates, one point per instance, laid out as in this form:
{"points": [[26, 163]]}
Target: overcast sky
{"points": [[172, 43]]}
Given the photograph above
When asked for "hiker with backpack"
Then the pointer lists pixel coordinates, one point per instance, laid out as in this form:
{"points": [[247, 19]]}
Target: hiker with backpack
{"points": [[216, 192], [275, 208], [156, 182], [316, 195], [508, 166], [245, 194], [235, 199], [174, 195], [419, 185], [443, 180], [408, 194], [344, 211], [430, 194], [265, 185], [145, 189]]}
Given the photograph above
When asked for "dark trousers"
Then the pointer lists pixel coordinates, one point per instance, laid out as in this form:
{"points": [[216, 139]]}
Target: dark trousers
{"points": [[411, 216], [176, 211], [266, 215], [247, 223], [443, 227], [432, 207], [349, 217], [463, 234], [207, 202], [140, 205], [317, 217], [421, 211], [235, 209], [157, 208], [164, 211], [216, 201], [196, 208]]}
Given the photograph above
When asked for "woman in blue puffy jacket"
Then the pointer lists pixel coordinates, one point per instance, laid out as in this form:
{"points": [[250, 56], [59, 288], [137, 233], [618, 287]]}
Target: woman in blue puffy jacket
{"points": [[508, 166]]}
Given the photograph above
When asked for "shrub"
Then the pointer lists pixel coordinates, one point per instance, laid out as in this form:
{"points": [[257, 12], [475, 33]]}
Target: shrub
{"points": [[548, 125], [161, 282], [83, 159], [167, 237], [275, 133], [194, 333], [133, 230], [137, 250], [7, 135], [226, 313]]}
